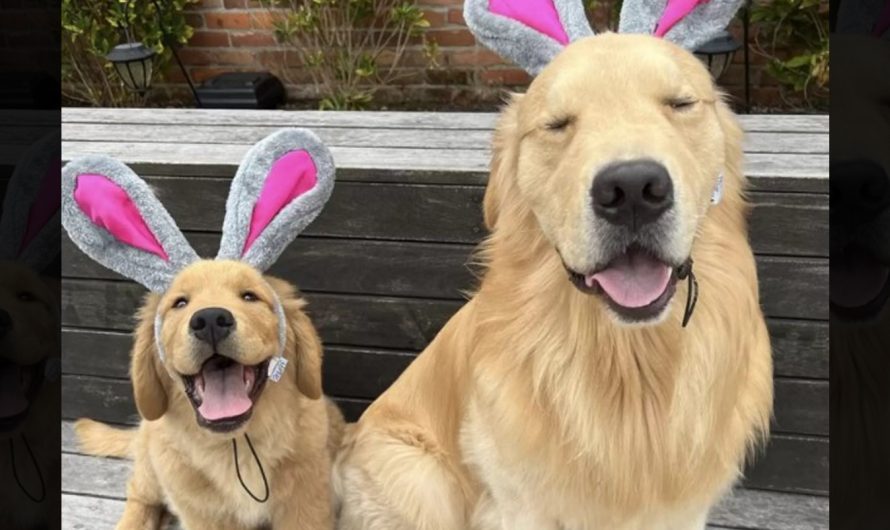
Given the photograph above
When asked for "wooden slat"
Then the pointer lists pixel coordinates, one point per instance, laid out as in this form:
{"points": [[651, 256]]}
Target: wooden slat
{"points": [[815, 123], [742, 508], [467, 165], [800, 464], [360, 135], [364, 373], [780, 223]]}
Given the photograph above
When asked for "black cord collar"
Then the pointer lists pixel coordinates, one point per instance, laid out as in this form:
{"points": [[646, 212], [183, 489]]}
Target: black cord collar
{"points": [[15, 472], [259, 465], [684, 271]]}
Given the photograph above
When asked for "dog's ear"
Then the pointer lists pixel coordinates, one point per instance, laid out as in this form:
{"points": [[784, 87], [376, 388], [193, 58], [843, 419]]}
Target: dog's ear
{"points": [[688, 23], [115, 218], [280, 187], [145, 365], [29, 227], [503, 164], [528, 32], [307, 348]]}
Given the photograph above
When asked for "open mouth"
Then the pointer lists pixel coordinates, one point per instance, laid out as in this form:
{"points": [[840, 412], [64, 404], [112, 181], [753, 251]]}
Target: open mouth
{"points": [[859, 285], [18, 387], [636, 285], [224, 392]]}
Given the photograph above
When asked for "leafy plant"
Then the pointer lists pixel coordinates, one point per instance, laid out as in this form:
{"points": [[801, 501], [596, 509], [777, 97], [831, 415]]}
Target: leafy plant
{"points": [[91, 28], [793, 36], [351, 48]]}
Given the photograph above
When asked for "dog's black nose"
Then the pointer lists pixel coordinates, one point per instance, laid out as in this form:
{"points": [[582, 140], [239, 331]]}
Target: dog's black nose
{"points": [[860, 190], [632, 193], [212, 325], [5, 323]]}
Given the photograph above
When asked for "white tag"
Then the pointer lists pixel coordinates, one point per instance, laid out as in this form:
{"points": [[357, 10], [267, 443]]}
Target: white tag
{"points": [[717, 194], [276, 368]]}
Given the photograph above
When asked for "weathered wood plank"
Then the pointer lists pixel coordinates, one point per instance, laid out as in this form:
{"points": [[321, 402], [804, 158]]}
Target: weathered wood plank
{"points": [[360, 135], [800, 349], [780, 223], [364, 373], [214, 159], [104, 477], [374, 321], [791, 463], [741, 509], [817, 123]]}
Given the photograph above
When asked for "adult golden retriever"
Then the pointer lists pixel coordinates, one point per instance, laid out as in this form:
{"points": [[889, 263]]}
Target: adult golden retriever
{"points": [[566, 394], [218, 334]]}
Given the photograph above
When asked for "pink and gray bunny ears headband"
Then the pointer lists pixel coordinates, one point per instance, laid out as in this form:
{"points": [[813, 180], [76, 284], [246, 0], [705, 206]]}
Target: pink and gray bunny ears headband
{"points": [[113, 216], [532, 32]]}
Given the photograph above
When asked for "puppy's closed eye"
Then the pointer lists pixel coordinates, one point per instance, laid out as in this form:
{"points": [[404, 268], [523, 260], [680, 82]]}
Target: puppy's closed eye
{"points": [[681, 104]]}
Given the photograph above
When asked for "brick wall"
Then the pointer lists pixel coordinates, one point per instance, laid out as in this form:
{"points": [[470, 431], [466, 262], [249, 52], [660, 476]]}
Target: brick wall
{"points": [[236, 35]]}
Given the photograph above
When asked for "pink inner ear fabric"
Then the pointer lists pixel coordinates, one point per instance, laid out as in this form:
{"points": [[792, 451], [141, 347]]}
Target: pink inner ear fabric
{"points": [[108, 205], [674, 12], [536, 14], [46, 204], [291, 176]]}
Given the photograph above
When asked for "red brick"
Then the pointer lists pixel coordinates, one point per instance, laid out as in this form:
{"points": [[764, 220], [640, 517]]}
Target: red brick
{"points": [[236, 4], [261, 19], [227, 20], [452, 37], [253, 38], [209, 39], [436, 19], [456, 16], [208, 4], [195, 20], [219, 56], [473, 57], [201, 74], [505, 77]]}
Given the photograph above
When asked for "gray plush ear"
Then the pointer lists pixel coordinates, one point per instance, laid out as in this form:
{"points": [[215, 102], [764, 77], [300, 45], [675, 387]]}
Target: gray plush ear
{"points": [[280, 187], [29, 227], [115, 218], [688, 23], [528, 32]]}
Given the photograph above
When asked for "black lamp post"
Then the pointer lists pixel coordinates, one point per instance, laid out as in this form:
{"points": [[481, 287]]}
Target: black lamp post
{"points": [[717, 53], [133, 60]]}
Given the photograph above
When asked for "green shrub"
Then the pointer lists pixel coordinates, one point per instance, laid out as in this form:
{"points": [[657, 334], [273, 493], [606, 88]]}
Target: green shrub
{"points": [[91, 28], [351, 48]]}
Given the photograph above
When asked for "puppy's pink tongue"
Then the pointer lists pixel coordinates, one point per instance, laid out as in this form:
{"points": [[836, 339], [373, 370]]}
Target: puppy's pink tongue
{"points": [[633, 280], [12, 395], [225, 392]]}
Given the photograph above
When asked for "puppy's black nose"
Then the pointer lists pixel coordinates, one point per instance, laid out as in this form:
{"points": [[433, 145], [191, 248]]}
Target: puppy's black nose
{"points": [[212, 325], [5, 323], [860, 191], [632, 193]]}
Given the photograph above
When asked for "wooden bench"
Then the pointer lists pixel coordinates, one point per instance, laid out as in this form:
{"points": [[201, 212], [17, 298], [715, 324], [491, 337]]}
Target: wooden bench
{"points": [[385, 266]]}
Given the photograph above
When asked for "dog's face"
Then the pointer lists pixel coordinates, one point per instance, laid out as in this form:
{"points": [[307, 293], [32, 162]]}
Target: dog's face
{"points": [[219, 330], [28, 328], [619, 150]]}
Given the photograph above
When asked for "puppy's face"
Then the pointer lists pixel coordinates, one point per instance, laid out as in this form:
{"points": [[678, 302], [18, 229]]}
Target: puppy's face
{"points": [[620, 148], [219, 331], [28, 328]]}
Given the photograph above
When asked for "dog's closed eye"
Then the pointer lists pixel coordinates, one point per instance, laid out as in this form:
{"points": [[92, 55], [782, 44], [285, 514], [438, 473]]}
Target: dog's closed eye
{"points": [[681, 104], [558, 124]]}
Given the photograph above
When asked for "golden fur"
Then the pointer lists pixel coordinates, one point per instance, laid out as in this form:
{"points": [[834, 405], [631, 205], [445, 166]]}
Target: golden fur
{"points": [[189, 469], [535, 408]]}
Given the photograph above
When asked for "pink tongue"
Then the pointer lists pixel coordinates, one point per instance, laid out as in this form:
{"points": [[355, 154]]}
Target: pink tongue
{"points": [[12, 397], [224, 393], [856, 279], [633, 280]]}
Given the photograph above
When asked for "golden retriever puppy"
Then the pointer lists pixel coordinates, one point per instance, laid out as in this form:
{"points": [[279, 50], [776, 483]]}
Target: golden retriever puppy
{"points": [[570, 393], [219, 327], [226, 367]]}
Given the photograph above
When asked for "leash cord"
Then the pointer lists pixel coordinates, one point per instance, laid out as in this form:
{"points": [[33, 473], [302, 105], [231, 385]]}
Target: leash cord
{"points": [[15, 472], [685, 271], [259, 465]]}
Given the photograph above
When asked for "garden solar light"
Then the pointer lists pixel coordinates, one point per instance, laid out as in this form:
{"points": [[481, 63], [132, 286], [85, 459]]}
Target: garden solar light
{"points": [[717, 53], [133, 63]]}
